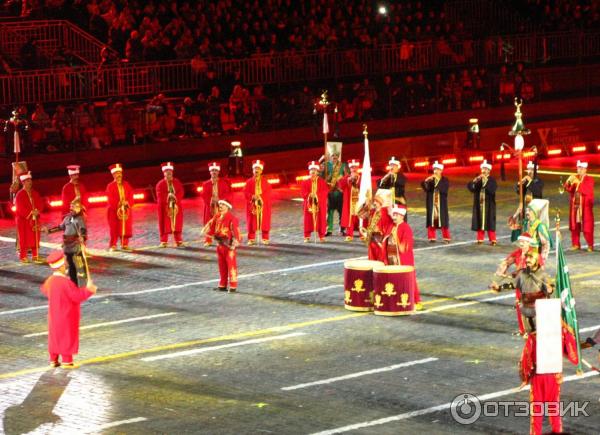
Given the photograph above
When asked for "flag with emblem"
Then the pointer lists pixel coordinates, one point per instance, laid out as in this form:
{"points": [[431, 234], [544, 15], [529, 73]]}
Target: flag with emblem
{"points": [[563, 291]]}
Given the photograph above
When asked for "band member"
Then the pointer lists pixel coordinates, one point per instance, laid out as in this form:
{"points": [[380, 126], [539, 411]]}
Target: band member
{"points": [[484, 188], [379, 223], [581, 206], [29, 206], [436, 202], [333, 171], [395, 181], [350, 186], [225, 230], [545, 387], [532, 283], [315, 193], [213, 190], [74, 189], [508, 279], [120, 206], [169, 193], [64, 300], [536, 224], [258, 204], [74, 236], [533, 186], [398, 245]]}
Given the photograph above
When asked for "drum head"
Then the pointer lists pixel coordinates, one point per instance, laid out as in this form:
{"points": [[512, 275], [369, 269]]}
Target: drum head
{"points": [[362, 264], [393, 269]]}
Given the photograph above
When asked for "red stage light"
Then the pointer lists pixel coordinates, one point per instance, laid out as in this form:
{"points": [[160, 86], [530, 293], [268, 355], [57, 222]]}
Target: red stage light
{"points": [[421, 164], [139, 196], [13, 209], [302, 178], [579, 149], [449, 161], [598, 147], [55, 203], [98, 199], [272, 181], [476, 159], [528, 154], [199, 189], [555, 152], [238, 185]]}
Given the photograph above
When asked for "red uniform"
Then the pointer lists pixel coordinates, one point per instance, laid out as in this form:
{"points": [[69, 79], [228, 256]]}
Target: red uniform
{"points": [[398, 248], [251, 214], [165, 210], [350, 220], [69, 192], [379, 224], [119, 228], [545, 388], [317, 223], [581, 211], [28, 228], [64, 299], [212, 197], [225, 229]]}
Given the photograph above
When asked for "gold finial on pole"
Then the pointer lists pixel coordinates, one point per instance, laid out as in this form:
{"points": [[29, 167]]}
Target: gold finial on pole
{"points": [[518, 127], [365, 132], [324, 101]]}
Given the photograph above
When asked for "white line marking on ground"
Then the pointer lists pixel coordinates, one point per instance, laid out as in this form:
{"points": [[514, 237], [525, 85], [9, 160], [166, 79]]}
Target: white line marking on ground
{"points": [[315, 290], [115, 322], [465, 304], [438, 408], [102, 427], [359, 374], [222, 346], [590, 328]]}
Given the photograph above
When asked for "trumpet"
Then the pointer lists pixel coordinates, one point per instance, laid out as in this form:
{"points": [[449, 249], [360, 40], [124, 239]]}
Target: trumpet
{"points": [[561, 186], [123, 211]]}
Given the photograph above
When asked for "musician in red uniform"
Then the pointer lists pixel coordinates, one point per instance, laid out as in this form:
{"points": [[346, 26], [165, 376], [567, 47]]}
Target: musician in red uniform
{"points": [[398, 245], [258, 204], [72, 190], [213, 190], [350, 186], [169, 194], [225, 230], [378, 227], [29, 206], [314, 192], [545, 388], [120, 206], [581, 206], [64, 300]]}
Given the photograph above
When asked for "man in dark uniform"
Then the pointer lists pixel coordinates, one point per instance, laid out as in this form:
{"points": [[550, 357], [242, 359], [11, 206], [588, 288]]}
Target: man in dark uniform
{"points": [[436, 202], [533, 283], [395, 181], [532, 185], [484, 188]]}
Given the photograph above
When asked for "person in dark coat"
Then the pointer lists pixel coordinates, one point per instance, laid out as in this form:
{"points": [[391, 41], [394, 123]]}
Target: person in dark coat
{"points": [[436, 202], [484, 188], [533, 186], [395, 181]]}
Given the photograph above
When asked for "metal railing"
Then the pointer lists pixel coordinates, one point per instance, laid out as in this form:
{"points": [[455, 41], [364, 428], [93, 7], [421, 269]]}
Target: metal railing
{"points": [[49, 36], [89, 82]]}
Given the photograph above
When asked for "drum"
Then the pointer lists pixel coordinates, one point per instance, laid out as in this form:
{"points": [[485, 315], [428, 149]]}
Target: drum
{"points": [[358, 284], [394, 289]]}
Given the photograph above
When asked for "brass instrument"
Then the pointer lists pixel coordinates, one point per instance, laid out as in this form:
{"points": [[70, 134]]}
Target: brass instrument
{"points": [[214, 200], [369, 232], [335, 176], [172, 208], [561, 186], [313, 203], [208, 224], [257, 203]]}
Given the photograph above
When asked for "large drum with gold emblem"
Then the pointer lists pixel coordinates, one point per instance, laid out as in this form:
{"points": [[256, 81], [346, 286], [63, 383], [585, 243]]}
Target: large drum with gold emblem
{"points": [[358, 284], [394, 290]]}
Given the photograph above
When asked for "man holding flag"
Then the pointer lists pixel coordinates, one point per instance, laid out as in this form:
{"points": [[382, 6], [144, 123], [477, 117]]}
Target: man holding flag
{"points": [[350, 187]]}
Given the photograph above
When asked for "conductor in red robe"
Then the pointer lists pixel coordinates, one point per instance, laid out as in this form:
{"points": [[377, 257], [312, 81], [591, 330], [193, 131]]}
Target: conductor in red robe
{"points": [[350, 186], [581, 206], [74, 189], [169, 194], [29, 206], [64, 299], [258, 204], [225, 230], [120, 206], [213, 190], [314, 192], [398, 245]]}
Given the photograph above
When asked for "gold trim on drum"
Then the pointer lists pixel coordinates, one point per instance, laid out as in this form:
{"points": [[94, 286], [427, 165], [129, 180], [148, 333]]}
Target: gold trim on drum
{"points": [[362, 264], [351, 308], [393, 269], [394, 313]]}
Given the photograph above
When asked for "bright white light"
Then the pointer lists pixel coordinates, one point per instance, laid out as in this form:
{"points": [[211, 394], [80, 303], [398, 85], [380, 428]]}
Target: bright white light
{"points": [[519, 142], [382, 10]]}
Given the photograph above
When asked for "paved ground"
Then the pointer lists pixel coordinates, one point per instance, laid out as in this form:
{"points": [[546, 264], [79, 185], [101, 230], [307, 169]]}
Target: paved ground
{"points": [[162, 353]]}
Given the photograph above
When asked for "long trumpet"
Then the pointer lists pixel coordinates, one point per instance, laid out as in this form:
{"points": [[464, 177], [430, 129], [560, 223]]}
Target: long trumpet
{"points": [[172, 212], [205, 227]]}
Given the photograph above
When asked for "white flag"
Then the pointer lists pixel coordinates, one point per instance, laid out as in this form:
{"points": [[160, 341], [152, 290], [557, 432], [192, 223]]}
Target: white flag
{"points": [[365, 179], [325, 124], [17, 142]]}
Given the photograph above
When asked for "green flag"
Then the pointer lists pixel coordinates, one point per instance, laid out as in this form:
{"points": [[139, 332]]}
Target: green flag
{"points": [[563, 291]]}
